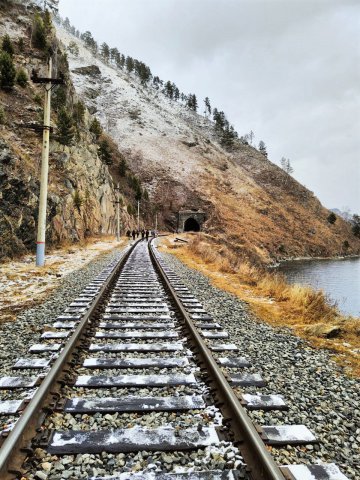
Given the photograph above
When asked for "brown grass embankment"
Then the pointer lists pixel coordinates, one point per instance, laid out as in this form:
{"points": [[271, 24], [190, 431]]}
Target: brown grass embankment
{"points": [[308, 312]]}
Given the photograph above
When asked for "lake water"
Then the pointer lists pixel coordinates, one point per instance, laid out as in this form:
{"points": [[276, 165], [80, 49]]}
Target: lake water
{"points": [[339, 279]]}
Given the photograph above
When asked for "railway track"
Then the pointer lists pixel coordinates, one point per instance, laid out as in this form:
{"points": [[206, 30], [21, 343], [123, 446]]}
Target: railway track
{"points": [[136, 381]]}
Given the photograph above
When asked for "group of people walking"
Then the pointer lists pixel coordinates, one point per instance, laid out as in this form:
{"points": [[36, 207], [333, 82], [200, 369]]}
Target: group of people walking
{"points": [[136, 233]]}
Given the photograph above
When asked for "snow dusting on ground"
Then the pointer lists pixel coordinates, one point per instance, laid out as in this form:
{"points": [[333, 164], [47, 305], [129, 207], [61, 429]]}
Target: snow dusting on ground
{"points": [[23, 285]]}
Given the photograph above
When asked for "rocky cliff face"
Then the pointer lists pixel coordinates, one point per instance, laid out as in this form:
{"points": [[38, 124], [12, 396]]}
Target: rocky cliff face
{"points": [[81, 188], [251, 204]]}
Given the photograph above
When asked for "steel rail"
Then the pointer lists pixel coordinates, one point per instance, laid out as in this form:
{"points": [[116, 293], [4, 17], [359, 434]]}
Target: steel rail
{"points": [[259, 461], [26, 426]]}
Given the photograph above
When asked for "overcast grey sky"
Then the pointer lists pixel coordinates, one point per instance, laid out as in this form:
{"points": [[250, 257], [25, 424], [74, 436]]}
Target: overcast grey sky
{"points": [[286, 69]]}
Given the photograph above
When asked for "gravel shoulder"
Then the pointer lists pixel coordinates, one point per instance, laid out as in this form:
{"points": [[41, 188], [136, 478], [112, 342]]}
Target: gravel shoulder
{"points": [[23, 285], [315, 388]]}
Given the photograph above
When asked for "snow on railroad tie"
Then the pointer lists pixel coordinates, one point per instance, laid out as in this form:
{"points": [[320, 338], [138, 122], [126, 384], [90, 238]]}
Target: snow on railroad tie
{"points": [[9, 383], [31, 363], [139, 309], [132, 318], [209, 326], [234, 362], [264, 402], [135, 362], [136, 325], [134, 404], [136, 347], [222, 347], [327, 471], [278, 435], [65, 318], [124, 440], [205, 475], [201, 316], [51, 335], [136, 334], [45, 347], [247, 380], [65, 325], [102, 381], [211, 335], [10, 407]]}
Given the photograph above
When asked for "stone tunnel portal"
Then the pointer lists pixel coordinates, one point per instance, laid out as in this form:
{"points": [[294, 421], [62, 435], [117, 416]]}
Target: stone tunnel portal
{"points": [[191, 225], [190, 221]]}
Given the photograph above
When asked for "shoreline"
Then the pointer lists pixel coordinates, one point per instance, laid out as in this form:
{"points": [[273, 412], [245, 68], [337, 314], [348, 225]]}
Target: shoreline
{"points": [[310, 259], [275, 302]]}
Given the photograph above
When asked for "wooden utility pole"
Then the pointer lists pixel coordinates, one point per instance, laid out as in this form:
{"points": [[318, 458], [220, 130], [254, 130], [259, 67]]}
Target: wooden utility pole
{"points": [[41, 227]]}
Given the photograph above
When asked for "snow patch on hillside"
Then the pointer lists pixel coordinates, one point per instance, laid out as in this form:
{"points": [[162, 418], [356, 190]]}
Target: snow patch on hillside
{"points": [[140, 118]]}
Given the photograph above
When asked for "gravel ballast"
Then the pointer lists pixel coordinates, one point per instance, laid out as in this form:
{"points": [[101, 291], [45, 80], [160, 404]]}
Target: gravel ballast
{"points": [[17, 336], [318, 393]]}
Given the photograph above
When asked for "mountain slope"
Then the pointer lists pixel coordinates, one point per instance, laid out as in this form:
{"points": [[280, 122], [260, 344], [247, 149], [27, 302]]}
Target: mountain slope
{"points": [[251, 203], [81, 189]]}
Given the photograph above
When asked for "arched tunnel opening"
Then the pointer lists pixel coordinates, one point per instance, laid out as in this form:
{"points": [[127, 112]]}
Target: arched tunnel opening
{"points": [[191, 225]]}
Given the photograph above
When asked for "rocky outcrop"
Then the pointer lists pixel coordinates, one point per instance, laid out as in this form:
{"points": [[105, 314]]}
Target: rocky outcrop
{"points": [[91, 70], [81, 195], [80, 199]]}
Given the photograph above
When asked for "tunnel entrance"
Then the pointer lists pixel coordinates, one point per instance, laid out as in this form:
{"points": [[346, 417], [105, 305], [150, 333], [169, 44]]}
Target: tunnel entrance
{"points": [[191, 225]]}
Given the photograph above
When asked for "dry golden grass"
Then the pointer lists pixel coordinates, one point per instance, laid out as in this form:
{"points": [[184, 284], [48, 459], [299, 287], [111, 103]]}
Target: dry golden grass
{"points": [[271, 298]]}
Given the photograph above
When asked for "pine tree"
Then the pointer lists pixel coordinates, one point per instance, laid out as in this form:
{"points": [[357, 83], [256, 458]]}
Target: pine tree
{"points": [[122, 167], [192, 102], [65, 127], [105, 51], [219, 119], [176, 92], [105, 152], [7, 45], [52, 4], [286, 165], [22, 78], [89, 41], [207, 106], [356, 225], [79, 112], [118, 60], [114, 52], [156, 82], [38, 33], [96, 128], [87, 38], [7, 71], [73, 49], [138, 193], [331, 218], [262, 148], [129, 64], [66, 24], [47, 21], [168, 88]]}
